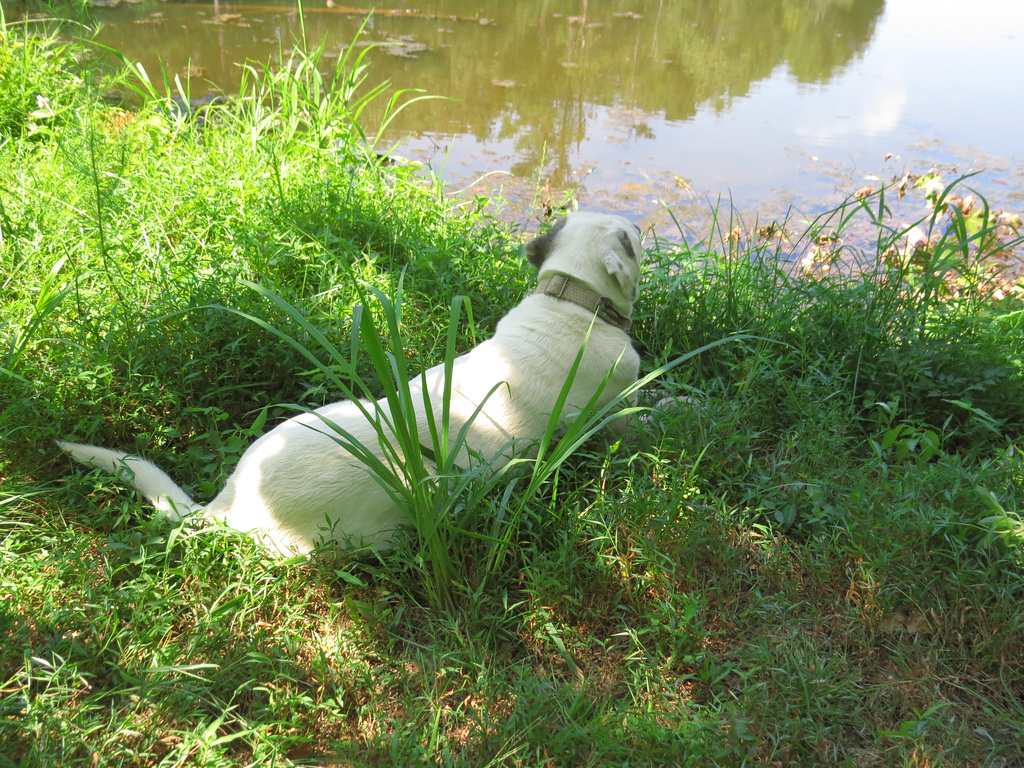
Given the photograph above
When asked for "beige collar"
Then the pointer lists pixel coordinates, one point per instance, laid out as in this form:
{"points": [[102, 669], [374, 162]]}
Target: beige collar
{"points": [[576, 292]]}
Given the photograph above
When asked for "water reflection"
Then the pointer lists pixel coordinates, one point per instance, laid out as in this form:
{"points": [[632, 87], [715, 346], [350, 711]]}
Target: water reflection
{"points": [[535, 76], [633, 102], [527, 75]]}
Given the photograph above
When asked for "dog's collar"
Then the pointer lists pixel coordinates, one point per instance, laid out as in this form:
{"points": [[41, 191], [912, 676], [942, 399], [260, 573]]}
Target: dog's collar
{"points": [[576, 292]]}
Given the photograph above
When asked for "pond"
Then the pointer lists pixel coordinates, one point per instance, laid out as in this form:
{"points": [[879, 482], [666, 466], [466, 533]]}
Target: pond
{"points": [[651, 106]]}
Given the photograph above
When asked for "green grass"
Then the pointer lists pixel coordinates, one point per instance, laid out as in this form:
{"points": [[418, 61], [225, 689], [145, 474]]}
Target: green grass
{"points": [[816, 560]]}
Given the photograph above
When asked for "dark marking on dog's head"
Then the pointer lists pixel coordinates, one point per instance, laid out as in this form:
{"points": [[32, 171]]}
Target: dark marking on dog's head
{"points": [[627, 245], [537, 250]]}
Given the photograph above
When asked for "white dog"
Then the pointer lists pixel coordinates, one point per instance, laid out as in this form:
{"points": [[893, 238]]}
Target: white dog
{"points": [[296, 486]]}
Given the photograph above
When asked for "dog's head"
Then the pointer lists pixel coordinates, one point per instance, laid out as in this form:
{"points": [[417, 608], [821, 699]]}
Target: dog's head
{"points": [[602, 250]]}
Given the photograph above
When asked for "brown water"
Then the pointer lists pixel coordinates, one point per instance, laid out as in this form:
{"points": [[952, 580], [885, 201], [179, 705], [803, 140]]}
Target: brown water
{"points": [[646, 106]]}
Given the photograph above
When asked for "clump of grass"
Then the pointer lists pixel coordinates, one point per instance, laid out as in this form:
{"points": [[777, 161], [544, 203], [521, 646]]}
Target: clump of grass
{"points": [[39, 80], [881, 327], [448, 491], [814, 559]]}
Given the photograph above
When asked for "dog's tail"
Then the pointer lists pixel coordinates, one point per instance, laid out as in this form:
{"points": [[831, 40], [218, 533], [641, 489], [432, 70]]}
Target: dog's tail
{"points": [[148, 479]]}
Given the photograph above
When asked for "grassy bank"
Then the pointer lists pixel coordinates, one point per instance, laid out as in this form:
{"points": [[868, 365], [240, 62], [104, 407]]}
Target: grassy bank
{"points": [[818, 560]]}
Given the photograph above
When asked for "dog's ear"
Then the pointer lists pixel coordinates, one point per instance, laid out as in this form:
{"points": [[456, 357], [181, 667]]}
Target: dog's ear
{"points": [[537, 250], [623, 264]]}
